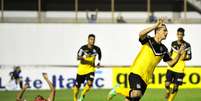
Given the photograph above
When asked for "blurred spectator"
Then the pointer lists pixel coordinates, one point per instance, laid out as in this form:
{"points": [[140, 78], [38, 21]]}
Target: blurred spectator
{"points": [[120, 19], [169, 20], [152, 18], [93, 17]]}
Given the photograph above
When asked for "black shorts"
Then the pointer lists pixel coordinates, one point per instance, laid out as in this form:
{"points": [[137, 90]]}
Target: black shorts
{"points": [[16, 77], [81, 78], [174, 77], [136, 83]]}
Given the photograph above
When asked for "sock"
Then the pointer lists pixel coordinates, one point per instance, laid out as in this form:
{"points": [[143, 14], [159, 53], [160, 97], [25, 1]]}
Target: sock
{"points": [[172, 96], [123, 91], [85, 90], [75, 93], [21, 84], [135, 99], [167, 89]]}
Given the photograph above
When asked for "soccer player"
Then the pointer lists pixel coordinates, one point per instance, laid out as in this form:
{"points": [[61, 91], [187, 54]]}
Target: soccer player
{"points": [[51, 96], [176, 74], [16, 79], [151, 53], [86, 68]]}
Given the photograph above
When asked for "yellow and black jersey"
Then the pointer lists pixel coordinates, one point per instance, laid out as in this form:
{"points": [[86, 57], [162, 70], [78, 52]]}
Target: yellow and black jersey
{"points": [[87, 62], [180, 65], [149, 56]]}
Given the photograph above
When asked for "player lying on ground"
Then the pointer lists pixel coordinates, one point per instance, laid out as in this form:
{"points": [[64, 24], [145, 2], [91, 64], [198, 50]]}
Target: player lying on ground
{"points": [[51, 96]]}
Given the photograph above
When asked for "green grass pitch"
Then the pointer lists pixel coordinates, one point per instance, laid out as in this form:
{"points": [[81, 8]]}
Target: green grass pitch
{"points": [[100, 95]]}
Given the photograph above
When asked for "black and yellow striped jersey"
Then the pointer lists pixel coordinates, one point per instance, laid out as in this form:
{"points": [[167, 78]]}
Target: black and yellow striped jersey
{"points": [[180, 65], [87, 63], [149, 56]]}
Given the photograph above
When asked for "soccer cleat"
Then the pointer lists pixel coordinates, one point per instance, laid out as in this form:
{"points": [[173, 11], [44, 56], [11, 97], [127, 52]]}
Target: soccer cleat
{"points": [[112, 93], [167, 95], [81, 98]]}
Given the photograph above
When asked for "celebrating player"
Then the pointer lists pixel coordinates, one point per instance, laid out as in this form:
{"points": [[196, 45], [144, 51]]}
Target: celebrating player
{"points": [[175, 74], [150, 55]]}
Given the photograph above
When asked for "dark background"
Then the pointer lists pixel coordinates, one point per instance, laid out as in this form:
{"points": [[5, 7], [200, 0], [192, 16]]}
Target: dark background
{"points": [[101, 5]]}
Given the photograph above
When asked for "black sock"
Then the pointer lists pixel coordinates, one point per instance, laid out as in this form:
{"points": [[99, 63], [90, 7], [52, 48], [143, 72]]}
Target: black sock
{"points": [[135, 99]]}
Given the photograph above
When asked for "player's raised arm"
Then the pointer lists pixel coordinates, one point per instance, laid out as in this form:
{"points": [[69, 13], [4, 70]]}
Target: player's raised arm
{"points": [[187, 55], [21, 93], [183, 56], [52, 89], [172, 62], [144, 32]]}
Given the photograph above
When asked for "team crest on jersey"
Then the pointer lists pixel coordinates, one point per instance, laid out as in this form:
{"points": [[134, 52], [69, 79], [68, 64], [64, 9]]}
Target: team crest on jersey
{"points": [[91, 76], [94, 51], [138, 86], [161, 49]]}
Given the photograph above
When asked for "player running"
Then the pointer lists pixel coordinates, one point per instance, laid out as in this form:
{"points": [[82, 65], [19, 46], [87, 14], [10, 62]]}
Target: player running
{"points": [[87, 56]]}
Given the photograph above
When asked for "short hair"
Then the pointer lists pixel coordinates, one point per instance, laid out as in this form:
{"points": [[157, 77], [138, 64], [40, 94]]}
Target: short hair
{"points": [[17, 68], [160, 28], [39, 96], [181, 30], [91, 35]]}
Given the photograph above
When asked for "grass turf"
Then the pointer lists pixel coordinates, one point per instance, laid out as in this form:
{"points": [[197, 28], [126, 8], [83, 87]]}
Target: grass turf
{"points": [[100, 95]]}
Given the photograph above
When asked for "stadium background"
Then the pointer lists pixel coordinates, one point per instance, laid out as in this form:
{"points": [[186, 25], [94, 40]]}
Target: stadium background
{"points": [[46, 38]]}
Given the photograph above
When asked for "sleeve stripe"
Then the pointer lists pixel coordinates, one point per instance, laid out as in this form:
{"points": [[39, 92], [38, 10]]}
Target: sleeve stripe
{"points": [[188, 49], [80, 52], [174, 49]]}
